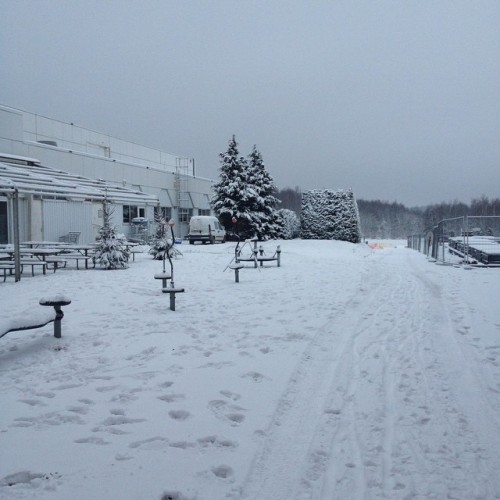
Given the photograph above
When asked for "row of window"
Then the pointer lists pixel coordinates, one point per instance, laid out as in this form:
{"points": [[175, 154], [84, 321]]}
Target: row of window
{"points": [[131, 212]]}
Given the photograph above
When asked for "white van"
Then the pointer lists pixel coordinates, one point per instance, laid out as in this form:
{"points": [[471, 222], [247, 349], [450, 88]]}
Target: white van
{"points": [[205, 228]]}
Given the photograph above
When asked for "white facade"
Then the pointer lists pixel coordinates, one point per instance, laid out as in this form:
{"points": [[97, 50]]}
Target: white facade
{"points": [[99, 156], [52, 203]]}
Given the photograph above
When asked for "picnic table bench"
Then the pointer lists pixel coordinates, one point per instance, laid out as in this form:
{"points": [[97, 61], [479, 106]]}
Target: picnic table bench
{"points": [[56, 263], [34, 263], [77, 257], [7, 266], [264, 258], [135, 250], [35, 318]]}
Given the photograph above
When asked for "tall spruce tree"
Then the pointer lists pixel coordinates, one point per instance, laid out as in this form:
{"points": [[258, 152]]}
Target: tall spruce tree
{"points": [[265, 219], [232, 195]]}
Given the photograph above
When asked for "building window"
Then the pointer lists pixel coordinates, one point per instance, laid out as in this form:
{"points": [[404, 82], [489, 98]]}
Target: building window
{"points": [[163, 213], [203, 211], [131, 212], [185, 214]]}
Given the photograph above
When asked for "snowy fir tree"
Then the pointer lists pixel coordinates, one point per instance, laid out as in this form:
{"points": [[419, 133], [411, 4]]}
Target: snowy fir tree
{"points": [[330, 215], [162, 240], [289, 224], [265, 220], [111, 251], [232, 195]]}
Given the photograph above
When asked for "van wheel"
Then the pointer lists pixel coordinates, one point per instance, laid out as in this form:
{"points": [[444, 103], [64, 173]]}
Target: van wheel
{"points": [[212, 240]]}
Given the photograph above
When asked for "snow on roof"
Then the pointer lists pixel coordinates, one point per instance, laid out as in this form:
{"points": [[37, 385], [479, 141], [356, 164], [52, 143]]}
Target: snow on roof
{"points": [[22, 174], [16, 158]]}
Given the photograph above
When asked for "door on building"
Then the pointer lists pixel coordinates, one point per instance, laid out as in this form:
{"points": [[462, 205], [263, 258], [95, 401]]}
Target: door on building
{"points": [[4, 227]]}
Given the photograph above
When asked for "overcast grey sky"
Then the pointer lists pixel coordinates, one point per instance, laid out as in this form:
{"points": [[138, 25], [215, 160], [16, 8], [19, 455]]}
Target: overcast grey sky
{"points": [[398, 100]]}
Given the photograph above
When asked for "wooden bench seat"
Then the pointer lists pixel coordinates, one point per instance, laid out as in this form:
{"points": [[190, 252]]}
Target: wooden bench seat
{"points": [[7, 266], [134, 250], [267, 259], [275, 257], [77, 257], [57, 262], [34, 263]]}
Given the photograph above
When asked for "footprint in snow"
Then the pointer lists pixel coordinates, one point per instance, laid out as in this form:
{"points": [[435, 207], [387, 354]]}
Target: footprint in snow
{"points": [[225, 411], [255, 376], [154, 443], [222, 471], [172, 398], [179, 414], [217, 442], [32, 402], [91, 440], [231, 395]]}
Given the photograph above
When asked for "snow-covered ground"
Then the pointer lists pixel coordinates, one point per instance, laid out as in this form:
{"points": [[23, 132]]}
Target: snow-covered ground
{"points": [[350, 372]]}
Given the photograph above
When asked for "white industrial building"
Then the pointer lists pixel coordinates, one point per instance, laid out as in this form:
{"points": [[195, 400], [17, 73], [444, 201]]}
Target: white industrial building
{"points": [[138, 180]]}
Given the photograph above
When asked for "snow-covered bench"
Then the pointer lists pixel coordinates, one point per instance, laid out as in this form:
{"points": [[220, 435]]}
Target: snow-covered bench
{"points": [[56, 262], [135, 250], [7, 266], [36, 318], [34, 263], [263, 258], [77, 257]]}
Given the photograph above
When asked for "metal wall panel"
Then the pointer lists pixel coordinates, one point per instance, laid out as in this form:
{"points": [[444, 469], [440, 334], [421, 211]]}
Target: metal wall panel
{"points": [[60, 217]]}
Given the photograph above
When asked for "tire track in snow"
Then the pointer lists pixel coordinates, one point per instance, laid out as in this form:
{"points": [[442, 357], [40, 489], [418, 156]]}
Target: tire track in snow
{"points": [[371, 410], [276, 471]]}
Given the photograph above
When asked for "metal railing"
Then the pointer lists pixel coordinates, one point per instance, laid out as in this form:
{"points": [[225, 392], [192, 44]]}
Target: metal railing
{"points": [[471, 240]]}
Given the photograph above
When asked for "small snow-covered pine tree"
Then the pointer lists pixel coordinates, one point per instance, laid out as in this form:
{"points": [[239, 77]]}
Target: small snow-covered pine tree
{"points": [[289, 224], [331, 215], [265, 220], [162, 240], [232, 195], [111, 251]]}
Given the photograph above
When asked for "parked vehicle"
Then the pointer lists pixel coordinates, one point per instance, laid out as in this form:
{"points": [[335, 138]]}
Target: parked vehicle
{"points": [[205, 228]]}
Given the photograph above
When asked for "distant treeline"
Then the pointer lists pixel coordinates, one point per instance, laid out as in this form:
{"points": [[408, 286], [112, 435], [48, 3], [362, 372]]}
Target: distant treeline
{"points": [[381, 219]]}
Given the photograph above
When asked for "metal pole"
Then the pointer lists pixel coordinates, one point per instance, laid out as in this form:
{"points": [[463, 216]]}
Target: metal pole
{"points": [[17, 255], [57, 322], [171, 224], [466, 239], [442, 239]]}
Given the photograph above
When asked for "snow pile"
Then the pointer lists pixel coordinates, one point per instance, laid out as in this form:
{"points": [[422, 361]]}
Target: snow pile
{"points": [[345, 373]]}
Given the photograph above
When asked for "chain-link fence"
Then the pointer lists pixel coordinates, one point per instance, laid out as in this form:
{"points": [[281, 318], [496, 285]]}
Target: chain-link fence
{"points": [[470, 239]]}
